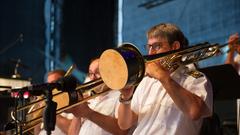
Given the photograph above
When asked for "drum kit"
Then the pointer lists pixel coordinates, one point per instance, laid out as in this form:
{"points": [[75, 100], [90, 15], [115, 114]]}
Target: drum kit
{"points": [[24, 111]]}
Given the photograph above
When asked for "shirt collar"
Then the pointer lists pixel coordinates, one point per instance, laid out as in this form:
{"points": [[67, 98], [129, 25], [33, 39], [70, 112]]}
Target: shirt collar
{"points": [[181, 70]]}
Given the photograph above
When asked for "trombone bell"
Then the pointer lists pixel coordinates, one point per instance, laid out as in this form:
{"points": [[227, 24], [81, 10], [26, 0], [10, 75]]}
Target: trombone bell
{"points": [[121, 66]]}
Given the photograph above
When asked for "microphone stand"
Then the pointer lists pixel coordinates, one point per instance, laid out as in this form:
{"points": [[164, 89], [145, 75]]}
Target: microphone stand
{"points": [[16, 74], [19, 115], [49, 116]]}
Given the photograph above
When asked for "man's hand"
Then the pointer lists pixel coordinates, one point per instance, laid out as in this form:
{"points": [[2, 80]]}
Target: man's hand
{"points": [[81, 110], [126, 93], [155, 70], [233, 41]]}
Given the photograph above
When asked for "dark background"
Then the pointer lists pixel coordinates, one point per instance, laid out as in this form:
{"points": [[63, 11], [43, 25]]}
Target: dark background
{"points": [[87, 29], [22, 17]]}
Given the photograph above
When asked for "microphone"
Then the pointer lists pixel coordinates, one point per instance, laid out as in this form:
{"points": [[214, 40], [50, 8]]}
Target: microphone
{"points": [[64, 84]]}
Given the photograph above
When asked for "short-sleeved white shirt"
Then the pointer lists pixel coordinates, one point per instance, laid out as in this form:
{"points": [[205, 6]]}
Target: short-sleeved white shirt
{"points": [[57, 130], [105, 105], [157, 113]]}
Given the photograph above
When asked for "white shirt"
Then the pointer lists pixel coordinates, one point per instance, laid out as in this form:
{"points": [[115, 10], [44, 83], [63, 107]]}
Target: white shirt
{"points": [[57, 130], [157, 113], [105, 105]]}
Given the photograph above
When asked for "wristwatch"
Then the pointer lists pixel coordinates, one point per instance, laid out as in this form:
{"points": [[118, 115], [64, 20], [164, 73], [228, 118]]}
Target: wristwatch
{"points": [[125, 101]]}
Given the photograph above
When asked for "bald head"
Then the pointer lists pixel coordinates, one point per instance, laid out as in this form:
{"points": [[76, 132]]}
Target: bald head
{"points": [[94, 70]]}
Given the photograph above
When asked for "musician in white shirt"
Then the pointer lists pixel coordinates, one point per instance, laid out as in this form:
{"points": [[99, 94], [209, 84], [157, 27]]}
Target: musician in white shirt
{"points": [[166, 102]]}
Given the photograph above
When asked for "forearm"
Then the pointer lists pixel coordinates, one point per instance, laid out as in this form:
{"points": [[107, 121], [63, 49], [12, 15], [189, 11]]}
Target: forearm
{"points": [[229, 59], [63, 123], [75, 126], [108, 123], [190, 104], [126, 117], [37, 129]]}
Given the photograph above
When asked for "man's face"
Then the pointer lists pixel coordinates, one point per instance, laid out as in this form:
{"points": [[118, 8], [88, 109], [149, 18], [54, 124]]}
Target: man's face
{"points": [[53, 77], [157, 45], [93, 72]]}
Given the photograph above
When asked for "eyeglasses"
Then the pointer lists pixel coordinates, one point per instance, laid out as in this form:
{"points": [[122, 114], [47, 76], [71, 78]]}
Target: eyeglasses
{"points": [[91, 74], [155, 46]]}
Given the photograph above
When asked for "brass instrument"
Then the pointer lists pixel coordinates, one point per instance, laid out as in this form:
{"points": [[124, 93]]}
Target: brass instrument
{"points": [[65, 100], [33, 118], [129, 65], [128, 62]]}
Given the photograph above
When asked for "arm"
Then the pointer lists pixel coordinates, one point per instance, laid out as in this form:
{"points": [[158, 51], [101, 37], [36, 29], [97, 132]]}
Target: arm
{"points": [[37, 129], [63, 123], [108, 123], [232, 42], [230, 56], [75, 126], [190, 104], [126, 117]]}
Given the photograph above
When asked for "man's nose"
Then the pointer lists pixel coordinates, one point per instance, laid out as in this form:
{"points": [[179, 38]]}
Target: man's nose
{"points": [[151, 51]]}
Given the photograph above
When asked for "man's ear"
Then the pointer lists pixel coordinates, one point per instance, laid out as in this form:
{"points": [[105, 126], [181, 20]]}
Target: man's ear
{"points": [[176, 45]]}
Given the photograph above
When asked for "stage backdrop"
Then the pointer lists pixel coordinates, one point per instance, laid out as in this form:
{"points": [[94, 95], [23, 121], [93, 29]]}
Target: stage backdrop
{"points": [[22, 38]]}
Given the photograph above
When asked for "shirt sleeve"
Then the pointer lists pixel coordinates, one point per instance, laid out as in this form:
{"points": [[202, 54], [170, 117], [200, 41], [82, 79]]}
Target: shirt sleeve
{"points": [[136, 101], [133, 105], [201, 87]]}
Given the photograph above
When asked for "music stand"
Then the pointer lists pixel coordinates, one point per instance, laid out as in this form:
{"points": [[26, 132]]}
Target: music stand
{"points": [[225, 81]]}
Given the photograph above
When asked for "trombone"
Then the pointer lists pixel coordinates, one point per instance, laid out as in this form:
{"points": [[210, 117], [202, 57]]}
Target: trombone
{"points": [[65, 100], [80, 95], [131, 66]]}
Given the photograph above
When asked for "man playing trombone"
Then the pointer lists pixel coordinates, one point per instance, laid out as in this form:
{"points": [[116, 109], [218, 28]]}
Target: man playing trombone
{"points": [[167, 101], [63, 121], [97, 117]]}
